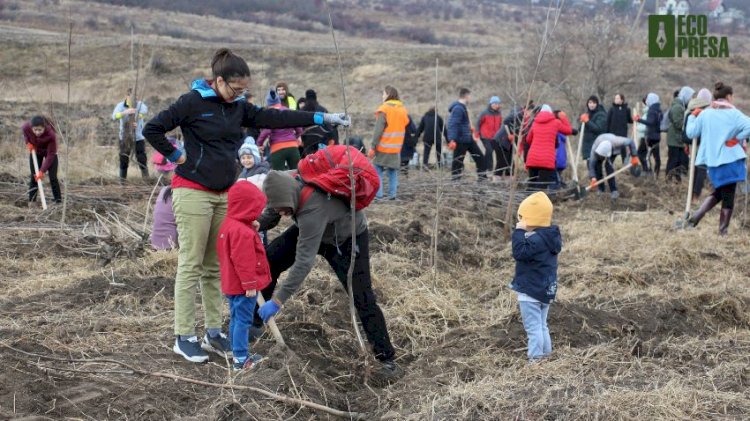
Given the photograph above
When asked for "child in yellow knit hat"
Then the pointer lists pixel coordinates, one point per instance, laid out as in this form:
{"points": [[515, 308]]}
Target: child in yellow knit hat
{"points": [[536, 244]]}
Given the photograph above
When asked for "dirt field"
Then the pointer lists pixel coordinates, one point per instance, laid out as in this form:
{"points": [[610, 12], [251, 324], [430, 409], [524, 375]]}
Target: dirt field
{"points": [[650, 323]]}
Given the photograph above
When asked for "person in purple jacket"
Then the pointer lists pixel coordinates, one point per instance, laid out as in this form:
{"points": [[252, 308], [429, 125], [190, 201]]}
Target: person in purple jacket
{"points": [[164, 232], [41, 139], [284, 143]]}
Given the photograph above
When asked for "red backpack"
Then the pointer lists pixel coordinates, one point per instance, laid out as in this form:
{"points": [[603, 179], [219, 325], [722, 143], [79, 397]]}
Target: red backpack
{"points": [[328, 170]]}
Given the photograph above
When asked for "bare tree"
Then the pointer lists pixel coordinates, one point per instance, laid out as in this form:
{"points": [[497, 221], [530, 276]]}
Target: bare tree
{"points": [[596, 56]]}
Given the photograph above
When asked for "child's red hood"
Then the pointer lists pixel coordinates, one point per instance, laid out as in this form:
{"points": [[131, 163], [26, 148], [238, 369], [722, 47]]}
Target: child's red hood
{"points": [[245, 202]]}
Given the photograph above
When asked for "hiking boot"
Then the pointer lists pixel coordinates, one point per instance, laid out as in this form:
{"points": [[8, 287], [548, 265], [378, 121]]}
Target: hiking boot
{"points": [[724, 218], [615, 195], [190, 349], [706, 206], [389, 371], [218, 344], [249, 363]]}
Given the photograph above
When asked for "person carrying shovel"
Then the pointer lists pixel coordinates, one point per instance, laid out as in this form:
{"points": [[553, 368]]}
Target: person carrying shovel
{"points": [[603, 151], [41, 140]]}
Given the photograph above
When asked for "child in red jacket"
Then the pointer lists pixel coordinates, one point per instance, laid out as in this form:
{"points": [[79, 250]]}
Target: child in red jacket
{"points": [[243, 266]]}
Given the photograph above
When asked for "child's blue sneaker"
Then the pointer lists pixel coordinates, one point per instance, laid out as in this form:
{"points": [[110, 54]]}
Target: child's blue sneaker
{"points": [[248, 363]]}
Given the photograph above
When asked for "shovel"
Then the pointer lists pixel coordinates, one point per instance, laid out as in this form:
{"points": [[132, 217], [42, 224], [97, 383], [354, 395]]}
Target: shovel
{"points": [[682, 223], [580, 144], [625, 168], [272, 324], [39, 185], [579, 192]]}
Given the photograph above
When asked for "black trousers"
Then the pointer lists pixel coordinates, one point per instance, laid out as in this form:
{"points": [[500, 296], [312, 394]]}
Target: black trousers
{"points": [[281, 253], [504, 164], [501, 161], [725, 195], [643, 155], [700, 180], [457, 167], [541, 179], [438, 153], [51, 173], [126, 149], [607, 163], [676, 160]]}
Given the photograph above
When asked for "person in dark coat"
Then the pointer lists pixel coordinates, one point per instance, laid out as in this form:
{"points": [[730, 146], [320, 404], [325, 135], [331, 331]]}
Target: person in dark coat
{"points": [[427, 126], [459, 134], [315, 136], [506, 138], [618, 118], [595, 118], [653, 133], [410, 146]]}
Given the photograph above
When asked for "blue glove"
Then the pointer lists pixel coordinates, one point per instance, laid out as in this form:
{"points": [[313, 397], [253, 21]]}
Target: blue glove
{"points": [[340, 119], [268, 310]]}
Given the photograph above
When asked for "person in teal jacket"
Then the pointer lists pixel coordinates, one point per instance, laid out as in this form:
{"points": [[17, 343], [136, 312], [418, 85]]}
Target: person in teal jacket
{"points": [[722, 129]]}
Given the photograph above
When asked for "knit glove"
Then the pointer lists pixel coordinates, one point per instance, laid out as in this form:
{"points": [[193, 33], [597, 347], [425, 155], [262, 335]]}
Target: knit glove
{"points": [[371, 153], [634, 161], [268, 310], [38, 176], [452, 145], [593, 182], [585, 118], [696, 112], [636, 118], [338, 119], [30, 147]]}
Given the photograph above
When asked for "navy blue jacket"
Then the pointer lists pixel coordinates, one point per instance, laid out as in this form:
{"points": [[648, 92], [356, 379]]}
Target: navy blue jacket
{"points": [[212, 130], [459, 128], [653, 122], [536, 253]]}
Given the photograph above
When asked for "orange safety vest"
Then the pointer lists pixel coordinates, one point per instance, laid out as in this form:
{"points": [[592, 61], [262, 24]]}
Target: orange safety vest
{"points": [[396, 120]]}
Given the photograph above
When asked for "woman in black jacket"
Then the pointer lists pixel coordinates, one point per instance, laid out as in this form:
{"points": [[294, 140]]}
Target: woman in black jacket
{"points": [[211, 117], [653, 133], [313, 137], [618, 118]]}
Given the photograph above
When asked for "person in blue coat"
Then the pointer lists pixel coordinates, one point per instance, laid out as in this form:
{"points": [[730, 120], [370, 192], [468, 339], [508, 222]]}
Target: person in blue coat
{"points": [[460, 136], [723, 130]]}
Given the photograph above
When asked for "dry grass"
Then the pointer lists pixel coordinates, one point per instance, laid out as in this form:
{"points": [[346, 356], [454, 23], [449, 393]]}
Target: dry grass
{"points": [[650, 323]]}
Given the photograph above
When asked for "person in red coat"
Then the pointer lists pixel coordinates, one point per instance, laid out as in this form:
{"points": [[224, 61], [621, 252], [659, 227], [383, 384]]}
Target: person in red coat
{"points": [[41, 139], [542, 140], [490, 121], [243, 265]]}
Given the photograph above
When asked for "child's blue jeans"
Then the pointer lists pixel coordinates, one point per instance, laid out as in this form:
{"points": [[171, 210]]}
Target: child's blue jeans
{"points": [[534, 317], [392, 181], [241, 310]]}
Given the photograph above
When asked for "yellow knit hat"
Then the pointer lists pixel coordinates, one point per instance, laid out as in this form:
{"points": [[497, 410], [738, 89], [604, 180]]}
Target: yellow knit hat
{"points": [[536, 210]]}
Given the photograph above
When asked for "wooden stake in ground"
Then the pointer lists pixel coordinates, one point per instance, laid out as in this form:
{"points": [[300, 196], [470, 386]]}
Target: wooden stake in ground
{"points": [[66, 138], [579, 150], [353, 202], [271, 323], [39, 186], [438, 184]]}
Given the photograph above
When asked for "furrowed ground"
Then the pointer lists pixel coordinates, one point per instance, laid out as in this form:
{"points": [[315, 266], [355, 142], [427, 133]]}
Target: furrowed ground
{"points": [[650, 322]]}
